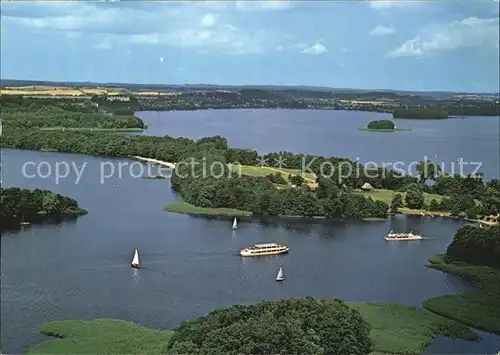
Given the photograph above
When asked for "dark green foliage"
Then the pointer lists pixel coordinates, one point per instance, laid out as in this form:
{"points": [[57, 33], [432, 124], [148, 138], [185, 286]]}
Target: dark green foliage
{"points": [[434, 205], [22, 205], [276, 179], [297, 180], [199, 186], [474, 245], [420, 113], [381, 124], [296, 326], [397, 202], [31, 113], [414, 196]]}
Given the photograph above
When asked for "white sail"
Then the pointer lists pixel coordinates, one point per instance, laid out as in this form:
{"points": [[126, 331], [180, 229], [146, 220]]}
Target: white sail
{"points": [[135, 260], [235, 223], [280, 275]]}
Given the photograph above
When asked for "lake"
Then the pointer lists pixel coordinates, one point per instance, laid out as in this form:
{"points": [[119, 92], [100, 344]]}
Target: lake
{"points": [[336, 133], [80, 269]]}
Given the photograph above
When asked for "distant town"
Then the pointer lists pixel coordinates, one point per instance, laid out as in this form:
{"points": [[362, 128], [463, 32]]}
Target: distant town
{"points": [[135, 97]]}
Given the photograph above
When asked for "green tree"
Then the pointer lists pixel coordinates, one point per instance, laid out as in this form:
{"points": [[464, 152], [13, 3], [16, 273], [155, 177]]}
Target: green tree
{"points": [[428, 170], [397, 202], [296, 326], [297, 180], [414, 196]]}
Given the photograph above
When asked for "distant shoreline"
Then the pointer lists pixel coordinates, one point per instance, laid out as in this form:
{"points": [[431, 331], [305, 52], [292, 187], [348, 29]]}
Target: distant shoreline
{"points": [[385, 130]]}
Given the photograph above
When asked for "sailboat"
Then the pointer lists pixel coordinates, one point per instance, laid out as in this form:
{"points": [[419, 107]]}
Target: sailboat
{"points": [[135, 260], [280, 276], [235, 223]]}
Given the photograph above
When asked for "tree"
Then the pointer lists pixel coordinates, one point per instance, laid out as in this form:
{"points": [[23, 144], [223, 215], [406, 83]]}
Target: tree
{"points": [[397, 202], [428, 170], [297, 180], [381, 124], [474, 245], [434, 205], [414, 196], [295, 326]]}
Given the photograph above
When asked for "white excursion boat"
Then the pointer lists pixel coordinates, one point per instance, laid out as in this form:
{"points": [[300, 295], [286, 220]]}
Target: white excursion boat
{"points": [[235, 223], [264, 249], [402, 236], [135, 261], [23, 222], [280, 276]]}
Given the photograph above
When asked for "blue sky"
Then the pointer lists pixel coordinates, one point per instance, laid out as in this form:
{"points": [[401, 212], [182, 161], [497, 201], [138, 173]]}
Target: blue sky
{"points": [[426, 45]]}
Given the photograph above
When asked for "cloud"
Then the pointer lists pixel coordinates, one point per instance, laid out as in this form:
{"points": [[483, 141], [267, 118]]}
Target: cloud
{"points": [[208, 20], [180, 24], [264, 5], [382, 31], [388, 4], [73, 35], [468, 33], [315, 49]]}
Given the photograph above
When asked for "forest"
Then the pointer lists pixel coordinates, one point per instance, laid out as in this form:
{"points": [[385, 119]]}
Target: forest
{"points": [[24, 205], [26, 113], [476, 246], [295, 326]]}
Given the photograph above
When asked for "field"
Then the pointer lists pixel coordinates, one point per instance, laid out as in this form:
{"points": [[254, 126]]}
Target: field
{"points": [[186, 208], [396, 329], [44, 90], [266, 170], [479, 309], [387, 195]]}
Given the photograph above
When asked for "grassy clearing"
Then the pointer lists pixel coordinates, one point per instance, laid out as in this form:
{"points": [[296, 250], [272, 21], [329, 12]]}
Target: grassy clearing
{"points": [[384, 130], [186, 208], [387, 195], [267, 170], [399, 329], [102, 336], [86, 129], [479, 309]]}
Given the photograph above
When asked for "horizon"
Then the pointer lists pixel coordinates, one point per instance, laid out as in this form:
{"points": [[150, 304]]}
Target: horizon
{"points": [[260, 86], [359, 45]]}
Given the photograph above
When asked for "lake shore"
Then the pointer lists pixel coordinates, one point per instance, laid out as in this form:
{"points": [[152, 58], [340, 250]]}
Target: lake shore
{"points": [[154, 161], [395, 329], [479, 309], [385, 130]]}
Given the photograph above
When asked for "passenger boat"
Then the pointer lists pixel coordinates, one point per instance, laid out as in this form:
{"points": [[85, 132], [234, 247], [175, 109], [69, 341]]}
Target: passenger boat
{"points": [[402, 236], [264, 249]]}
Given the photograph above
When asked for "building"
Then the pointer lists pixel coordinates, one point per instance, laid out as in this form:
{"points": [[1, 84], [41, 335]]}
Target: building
{"points": [[313, 186]]}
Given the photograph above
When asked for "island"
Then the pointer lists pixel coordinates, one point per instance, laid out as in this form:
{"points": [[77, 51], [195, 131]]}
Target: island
{"points": [[23, 206], [420, 114], [383, 126]]}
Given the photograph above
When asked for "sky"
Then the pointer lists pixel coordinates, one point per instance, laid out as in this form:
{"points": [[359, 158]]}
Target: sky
{"points": [[405, 45]]}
